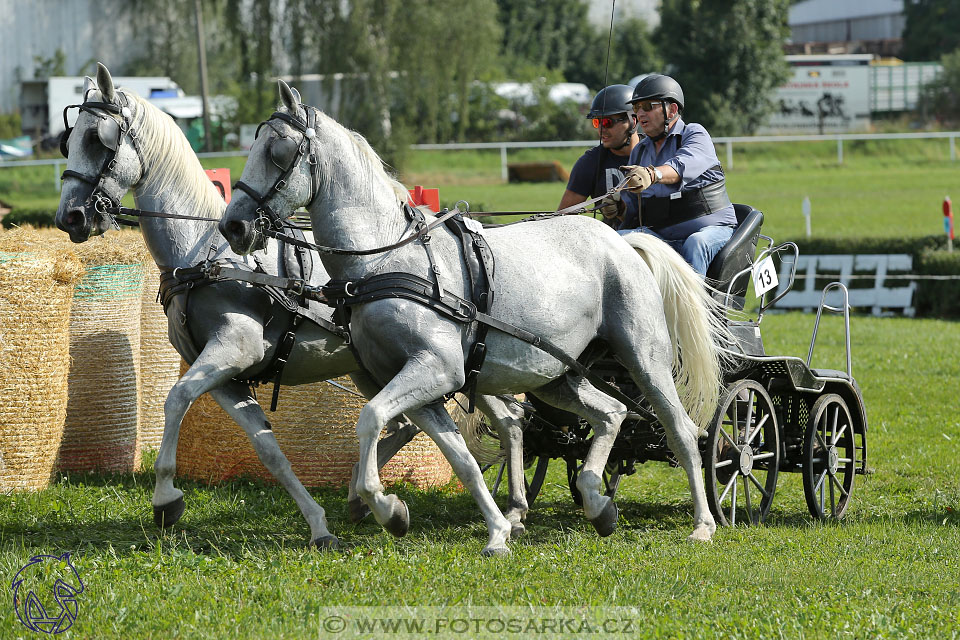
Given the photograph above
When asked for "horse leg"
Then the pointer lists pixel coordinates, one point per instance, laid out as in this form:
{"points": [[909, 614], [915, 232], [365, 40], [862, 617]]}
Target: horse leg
{"points": [[654, 377], [211, 369], [507, 418], [236, 400], [605, 415], [408, 393], [397, 438]]}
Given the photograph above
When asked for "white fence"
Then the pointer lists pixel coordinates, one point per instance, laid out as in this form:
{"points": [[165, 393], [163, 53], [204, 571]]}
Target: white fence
{"points": [[728, 143]]}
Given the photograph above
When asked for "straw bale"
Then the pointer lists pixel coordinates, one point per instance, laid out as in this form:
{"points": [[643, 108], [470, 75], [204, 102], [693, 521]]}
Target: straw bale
{"points": [[36, 289], [159, 363], [315, 426], [104, 389]]}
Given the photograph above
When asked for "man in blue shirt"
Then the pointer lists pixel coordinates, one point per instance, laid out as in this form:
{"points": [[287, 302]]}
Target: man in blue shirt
{"points": [[598, 170], [675, 183]]}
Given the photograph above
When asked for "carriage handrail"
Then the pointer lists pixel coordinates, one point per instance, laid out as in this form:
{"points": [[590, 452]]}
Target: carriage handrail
{"points": [[770, 250], [845, 310], [767, 303]]}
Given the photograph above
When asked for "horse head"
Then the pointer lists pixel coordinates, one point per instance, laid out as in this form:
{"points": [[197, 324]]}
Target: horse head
{"points": [[101, 165], [282, 173]]}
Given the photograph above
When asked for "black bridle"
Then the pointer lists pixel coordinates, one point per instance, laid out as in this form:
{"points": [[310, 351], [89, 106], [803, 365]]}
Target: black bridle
{"points": [[286, 153], [111, 132]]}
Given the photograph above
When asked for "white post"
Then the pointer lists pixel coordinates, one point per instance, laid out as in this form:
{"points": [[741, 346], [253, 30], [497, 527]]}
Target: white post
{"points": [[839, 150], [953, 148], [503, 163], [805, 207], [56, 176], [729, 154]]}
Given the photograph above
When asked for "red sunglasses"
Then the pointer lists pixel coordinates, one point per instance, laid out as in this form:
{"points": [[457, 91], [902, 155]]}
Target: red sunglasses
{"points": [[607, 122]]}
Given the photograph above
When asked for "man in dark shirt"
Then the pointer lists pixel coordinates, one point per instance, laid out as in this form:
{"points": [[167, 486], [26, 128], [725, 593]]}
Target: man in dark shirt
{"points": [[676, 186], [598, 170]]}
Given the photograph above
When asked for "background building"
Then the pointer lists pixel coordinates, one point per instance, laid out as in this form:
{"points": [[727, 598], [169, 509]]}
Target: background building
{"points": [[846, 26]]}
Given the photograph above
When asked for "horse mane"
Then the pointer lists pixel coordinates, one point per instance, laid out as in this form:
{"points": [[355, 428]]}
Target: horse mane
{"points": [[167, 153], [368, 158]]}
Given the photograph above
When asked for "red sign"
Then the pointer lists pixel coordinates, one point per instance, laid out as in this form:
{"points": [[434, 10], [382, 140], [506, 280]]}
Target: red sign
{"points": [[429, 197], [221, 180]]}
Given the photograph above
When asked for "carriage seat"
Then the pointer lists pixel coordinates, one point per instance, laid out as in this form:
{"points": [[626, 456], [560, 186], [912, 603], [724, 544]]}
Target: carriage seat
{"points": [[737, 255]]}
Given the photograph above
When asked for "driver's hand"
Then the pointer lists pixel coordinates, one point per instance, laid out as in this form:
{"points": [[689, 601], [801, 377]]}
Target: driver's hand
{"points": [[638, 178], [611, 206]]}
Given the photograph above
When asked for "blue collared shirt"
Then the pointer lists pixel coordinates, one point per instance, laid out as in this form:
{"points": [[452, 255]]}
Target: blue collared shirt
{"points": [[689, 150]]}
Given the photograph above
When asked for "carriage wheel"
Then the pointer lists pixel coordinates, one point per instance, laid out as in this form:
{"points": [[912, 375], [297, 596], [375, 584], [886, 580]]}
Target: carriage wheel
{"points": [[742, 456], [533, 475], [829, 458], [611, 482]]}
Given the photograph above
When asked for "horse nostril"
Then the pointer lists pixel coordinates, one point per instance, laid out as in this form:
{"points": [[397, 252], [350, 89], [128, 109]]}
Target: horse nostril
{"points": [[73, 218], [234, 229]]}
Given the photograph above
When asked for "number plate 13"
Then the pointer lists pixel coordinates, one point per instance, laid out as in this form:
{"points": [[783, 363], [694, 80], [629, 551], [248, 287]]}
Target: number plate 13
{"points": [[764, 276]]}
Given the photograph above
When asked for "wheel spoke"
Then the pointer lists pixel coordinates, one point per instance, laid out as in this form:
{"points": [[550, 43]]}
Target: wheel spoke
{"points": [[733, 504], [726, 489], [764, 455], [844, 459], [834, 481], [760, 487], [833, 499], [760, 424], [816, 487], [838, 434], [496, 483], [727, 437], [724, 463], [746, 495], [749, 418], [822, 442]]}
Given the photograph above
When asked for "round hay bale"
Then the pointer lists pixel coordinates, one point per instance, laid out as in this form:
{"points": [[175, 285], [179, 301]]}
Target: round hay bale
{"points": [[104, 386], [36, 289], [315, 426], [159, 363]]}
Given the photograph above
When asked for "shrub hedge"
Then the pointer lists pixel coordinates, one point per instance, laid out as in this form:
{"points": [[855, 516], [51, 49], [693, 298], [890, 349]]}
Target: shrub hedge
{"points": [[36, 217]]}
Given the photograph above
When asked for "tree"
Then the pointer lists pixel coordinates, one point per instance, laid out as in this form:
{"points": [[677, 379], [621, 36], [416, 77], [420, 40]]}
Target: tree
{"points": [[942, 96], [932, 29], [728, 57]]}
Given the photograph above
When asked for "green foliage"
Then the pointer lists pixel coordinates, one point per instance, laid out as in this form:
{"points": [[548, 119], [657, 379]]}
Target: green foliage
{"points": [[941, 98], [55, 65], [10, 125], [43, 217], [727, 55], [932, 29]]}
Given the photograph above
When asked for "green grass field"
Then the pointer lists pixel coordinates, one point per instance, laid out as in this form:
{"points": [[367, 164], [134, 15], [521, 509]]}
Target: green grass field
{"points": [[235, 566]]}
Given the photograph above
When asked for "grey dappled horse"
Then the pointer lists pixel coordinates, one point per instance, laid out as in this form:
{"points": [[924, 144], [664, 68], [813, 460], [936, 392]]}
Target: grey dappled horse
{"points": [[229, 322], [570, 280]]}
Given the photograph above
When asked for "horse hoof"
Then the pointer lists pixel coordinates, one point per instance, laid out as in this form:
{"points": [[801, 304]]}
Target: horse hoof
{"points": [[517, 529], [357, 510], [325, 543], [606, 522], [491, 552], [168, 514], [399, 521]]}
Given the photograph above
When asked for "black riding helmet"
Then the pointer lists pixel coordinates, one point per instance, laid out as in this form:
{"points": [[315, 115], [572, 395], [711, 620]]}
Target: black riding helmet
{"points": [[659, 87], [611, 101]]}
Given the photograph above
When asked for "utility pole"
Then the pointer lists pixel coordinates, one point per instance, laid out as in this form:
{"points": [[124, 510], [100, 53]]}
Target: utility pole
{"points": [[202, 49]]}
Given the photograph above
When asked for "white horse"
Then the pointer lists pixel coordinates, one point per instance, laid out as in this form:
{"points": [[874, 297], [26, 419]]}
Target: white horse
{"points": [[233, 337], [570, 281]]}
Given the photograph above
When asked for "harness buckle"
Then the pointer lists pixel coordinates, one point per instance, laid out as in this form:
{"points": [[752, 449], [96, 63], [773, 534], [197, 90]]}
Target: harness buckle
{"points": [[281, 184], [297, 287], [346, 290]]}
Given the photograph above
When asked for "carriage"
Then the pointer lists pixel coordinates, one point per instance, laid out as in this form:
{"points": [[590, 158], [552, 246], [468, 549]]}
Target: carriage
{"points": [[776, 413]]}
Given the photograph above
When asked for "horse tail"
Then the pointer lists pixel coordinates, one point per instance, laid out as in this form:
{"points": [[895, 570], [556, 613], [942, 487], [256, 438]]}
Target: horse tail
{"points": [[695, 320]]}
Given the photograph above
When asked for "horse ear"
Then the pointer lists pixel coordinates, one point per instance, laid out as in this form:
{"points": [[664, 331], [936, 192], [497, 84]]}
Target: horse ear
{"points": [[289, 97], [88, 86], [105, 82]]}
